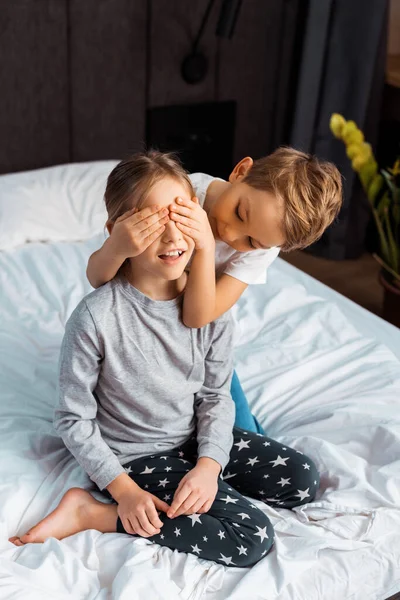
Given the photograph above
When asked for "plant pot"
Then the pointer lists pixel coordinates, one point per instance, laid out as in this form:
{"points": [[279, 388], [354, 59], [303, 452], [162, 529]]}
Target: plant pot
{"points": [[391, 301]]}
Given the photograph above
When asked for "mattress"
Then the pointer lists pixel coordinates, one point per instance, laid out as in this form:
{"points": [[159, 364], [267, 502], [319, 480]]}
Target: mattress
{"points": [[320, 373]]}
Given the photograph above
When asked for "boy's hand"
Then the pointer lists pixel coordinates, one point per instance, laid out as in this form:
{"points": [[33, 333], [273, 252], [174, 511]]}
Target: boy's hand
{"points": [[192, 220], [135, 230], [137, 510], [197, 489]]}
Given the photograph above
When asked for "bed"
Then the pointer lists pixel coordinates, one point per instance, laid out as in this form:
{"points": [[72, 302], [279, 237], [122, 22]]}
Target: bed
{"points": [[321, 373]]}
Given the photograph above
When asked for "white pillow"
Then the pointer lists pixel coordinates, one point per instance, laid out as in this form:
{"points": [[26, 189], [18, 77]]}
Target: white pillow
{"points": [[61, 203]]}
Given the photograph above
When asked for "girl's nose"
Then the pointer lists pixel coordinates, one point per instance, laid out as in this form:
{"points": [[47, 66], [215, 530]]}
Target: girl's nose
{"points": [[171, 232]]}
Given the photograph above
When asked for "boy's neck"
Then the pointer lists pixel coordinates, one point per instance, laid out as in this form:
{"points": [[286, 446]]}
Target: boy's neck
{"points": [[213, 192], [154, 287]]}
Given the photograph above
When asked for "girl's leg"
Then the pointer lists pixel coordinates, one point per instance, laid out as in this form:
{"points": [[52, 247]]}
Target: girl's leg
{"points": [[263, 468], [77, 511], [244, 419], [234, 532]]}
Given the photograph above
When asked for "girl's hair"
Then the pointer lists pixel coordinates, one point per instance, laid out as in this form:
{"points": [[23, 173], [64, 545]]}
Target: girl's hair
{"points": [[132, 180]]}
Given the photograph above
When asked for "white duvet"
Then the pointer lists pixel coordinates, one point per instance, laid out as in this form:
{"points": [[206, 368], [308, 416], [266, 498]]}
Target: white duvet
{"points": [[315, 382]]}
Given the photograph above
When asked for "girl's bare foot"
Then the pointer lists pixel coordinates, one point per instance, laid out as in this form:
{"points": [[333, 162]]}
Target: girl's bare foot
{"points": [[77, 511]]}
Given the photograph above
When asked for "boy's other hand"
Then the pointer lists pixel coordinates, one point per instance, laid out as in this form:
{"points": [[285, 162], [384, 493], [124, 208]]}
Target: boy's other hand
{"points": [[135, 230], [137, 510], [192, 220], [197, 489]]}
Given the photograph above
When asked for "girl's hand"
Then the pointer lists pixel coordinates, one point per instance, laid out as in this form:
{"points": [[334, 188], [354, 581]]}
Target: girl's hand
{"points": [[192, 220], [135, 230], [137, 510], [197, 489]]}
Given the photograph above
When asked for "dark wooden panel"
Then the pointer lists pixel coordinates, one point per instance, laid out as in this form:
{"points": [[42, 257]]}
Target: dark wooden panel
{"points": [[174, 25], [33, 84], [108, 77], [249, 73]]}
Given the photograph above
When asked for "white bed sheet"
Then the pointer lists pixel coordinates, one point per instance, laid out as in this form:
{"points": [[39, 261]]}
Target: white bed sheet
{"points": [[318, 379]]}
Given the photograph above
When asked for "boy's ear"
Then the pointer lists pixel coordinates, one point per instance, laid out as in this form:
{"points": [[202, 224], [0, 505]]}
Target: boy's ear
{"points": [[241, 169]]}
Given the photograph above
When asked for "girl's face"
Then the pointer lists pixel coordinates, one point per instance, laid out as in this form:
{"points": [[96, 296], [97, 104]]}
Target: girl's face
{"points": [[167, 256]]}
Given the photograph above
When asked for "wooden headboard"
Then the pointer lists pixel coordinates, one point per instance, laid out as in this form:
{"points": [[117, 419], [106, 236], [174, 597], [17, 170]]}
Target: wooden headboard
{"points": [[77, 76]]}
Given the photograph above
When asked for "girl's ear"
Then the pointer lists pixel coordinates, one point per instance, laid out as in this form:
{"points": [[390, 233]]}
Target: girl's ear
{"points": [[241, 169], [109, 226]]}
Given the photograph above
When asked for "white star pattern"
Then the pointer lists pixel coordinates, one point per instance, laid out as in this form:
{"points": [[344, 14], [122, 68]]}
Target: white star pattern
{"points": [[262, 553], [128, 470], [177, 532], [315, 483], [283, 481], [163, 482], [253, 461], [147, 471], [236, 524], [146, 486], [196, 549], [227, 559], [266, 444], [181, 454], [242, 444], [164, 457], [183, 460], [261, 492], [228, 476], [244, 516], [306, 466], [162, 536], [279, 461], [195, 519], [302, 494], [266, 476], [262, 533], [221, 534], [205, 538], [168, 469], [167, 497], [242, 550], [283, 448], [229, 500], [241, 534]]}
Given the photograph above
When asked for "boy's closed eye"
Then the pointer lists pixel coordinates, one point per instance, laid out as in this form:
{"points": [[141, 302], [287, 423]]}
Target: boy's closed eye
{"points": [[239, 216]]}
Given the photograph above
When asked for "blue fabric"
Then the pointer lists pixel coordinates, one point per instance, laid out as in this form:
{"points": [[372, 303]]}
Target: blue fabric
{"points": [[244, 419]]}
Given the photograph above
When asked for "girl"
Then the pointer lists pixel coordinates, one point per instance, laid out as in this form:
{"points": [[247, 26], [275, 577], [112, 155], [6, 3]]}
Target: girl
{"points": [[144, 404], [284, 200]]}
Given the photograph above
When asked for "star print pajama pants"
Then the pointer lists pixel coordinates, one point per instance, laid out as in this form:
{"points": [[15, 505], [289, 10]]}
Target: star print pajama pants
{"points": [[234, 531]]}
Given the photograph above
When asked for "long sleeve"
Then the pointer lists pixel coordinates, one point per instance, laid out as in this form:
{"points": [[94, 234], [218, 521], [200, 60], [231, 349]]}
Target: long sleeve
{"points": [[75, 417], [215, 410]]}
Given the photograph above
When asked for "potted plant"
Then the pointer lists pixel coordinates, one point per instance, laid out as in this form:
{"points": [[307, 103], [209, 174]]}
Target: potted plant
{"points": [[382, 188]]}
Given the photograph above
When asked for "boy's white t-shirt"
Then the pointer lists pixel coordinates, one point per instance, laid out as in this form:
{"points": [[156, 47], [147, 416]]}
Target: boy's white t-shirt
{"points": [[249, 267]]}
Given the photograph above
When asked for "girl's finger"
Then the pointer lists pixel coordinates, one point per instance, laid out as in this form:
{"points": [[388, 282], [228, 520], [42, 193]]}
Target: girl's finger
{"points": [[142, 224], [152, 228], [145, 523], [179, 497], [153, 517], [181, 210], [128, 526], [186, 506], [138, 529], [188, 202], [206, 507], [195, 507]]}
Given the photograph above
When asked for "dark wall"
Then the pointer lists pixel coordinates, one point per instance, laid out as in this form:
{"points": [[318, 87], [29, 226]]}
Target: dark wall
{"points": [[77, 76]]}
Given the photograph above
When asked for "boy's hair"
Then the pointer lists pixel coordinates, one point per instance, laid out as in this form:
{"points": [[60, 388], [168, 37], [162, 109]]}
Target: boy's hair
{"points": [[131, 181], [311, 191]]}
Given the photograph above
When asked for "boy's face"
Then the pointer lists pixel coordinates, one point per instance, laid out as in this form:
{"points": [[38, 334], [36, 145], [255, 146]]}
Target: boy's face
{"points": [[157, 258], [246, 218]]}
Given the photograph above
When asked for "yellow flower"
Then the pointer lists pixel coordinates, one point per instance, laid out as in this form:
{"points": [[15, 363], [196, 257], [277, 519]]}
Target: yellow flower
{"points": [[348, 130], [336, 124], [354, 137], [395, 170], [353, 150], [374, 188], [368, 172]]}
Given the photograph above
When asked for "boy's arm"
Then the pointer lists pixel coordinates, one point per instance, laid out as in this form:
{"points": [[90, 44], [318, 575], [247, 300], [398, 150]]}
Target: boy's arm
{"points": [[75, 415], [204, 300], [103, 264]]}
